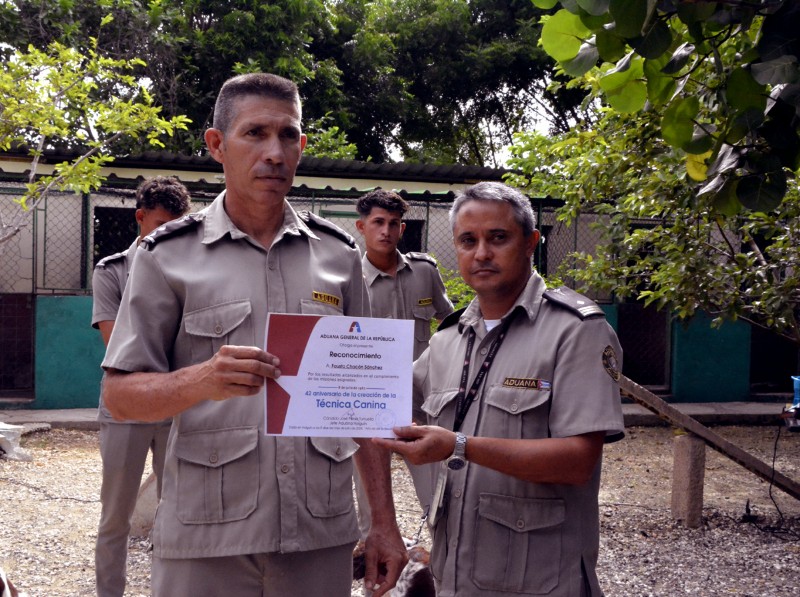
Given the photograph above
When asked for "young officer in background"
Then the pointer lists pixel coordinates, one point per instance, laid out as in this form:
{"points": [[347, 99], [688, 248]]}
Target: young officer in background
{"points": [[124, 444]]}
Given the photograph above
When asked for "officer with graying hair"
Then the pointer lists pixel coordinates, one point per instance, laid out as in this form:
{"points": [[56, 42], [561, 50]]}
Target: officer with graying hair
{"points": [[243, 513], [518, 424]]}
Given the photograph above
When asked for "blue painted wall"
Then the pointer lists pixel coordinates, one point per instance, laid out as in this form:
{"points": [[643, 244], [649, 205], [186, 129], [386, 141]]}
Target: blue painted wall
{"points": [[710, 364], [68, 353]]}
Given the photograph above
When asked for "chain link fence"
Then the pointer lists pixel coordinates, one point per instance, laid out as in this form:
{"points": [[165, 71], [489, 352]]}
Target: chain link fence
{"points": [[65, 236]]}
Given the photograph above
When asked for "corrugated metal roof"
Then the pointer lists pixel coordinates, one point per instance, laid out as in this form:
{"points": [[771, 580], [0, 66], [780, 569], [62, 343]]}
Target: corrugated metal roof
{"points": [[309, 166]]}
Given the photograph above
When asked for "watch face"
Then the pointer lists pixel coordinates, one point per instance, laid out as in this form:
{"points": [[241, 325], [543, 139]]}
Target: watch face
{"points": [[455, 463]]}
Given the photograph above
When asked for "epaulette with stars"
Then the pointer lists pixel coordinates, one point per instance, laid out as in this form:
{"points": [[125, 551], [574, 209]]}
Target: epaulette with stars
{"points": [[172, 228], [573, 301], [314, 221]]}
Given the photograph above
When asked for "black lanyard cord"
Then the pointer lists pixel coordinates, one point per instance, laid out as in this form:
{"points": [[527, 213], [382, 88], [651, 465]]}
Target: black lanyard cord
{"points": [[465, 399]]}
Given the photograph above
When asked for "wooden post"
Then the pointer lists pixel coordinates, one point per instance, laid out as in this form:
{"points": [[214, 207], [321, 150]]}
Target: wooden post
{"points": [[672, 415], [688, 475]]}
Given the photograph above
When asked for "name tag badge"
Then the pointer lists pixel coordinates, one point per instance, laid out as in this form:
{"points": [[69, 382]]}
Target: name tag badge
{"points": [[437, 503], [424, 302], [324, 297]]}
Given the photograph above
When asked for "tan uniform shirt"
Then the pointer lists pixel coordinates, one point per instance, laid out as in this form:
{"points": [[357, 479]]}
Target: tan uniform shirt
{"points": [[108, 284], [500, 535], [415, 292], [228, 488]]}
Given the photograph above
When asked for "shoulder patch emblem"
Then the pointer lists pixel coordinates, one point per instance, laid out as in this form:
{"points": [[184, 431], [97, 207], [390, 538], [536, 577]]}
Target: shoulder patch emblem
{"points": [[315, 221], [324, 297], [581, 306], [416, 256], [610, 362], [424, 302]]}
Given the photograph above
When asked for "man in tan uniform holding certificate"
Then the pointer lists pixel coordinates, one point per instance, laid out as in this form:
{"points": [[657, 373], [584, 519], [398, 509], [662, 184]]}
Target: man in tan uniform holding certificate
{"points": [[520, 390], [243, 513]]}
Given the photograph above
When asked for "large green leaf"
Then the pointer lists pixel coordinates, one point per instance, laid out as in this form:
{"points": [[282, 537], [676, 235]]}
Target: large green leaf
{"points": [[624, 88], [610, 45], [696, 12], [582, 63], [763, 191], [629, 16], [656, 40], [702, 140], [545, 4], [594, 7], [679, 59], [744, 92], [774, 72], [743, 123], [660, 87], [629, 68], [563, 34], [677, 125], [725, 201]]}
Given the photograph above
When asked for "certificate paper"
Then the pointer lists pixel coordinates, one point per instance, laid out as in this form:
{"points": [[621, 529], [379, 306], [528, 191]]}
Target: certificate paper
{"points": [[340, 376]]}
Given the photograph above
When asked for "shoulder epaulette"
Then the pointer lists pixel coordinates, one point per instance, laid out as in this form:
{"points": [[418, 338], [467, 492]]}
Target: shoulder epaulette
{"points": [[577, 303], [314, 221], [115, 257], [421, 257], [172, 228], [451, 319]]}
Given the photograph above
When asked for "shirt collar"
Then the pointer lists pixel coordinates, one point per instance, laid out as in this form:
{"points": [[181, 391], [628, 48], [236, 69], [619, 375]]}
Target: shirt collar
{"points": [[217, 223], [529, 301], [371, 273]]}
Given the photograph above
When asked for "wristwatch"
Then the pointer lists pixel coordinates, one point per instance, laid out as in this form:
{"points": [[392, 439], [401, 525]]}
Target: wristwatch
{"points": [[458, 460]]}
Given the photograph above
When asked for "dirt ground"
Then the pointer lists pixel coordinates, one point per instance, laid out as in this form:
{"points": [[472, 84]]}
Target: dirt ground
{"points": [[49, 509]]}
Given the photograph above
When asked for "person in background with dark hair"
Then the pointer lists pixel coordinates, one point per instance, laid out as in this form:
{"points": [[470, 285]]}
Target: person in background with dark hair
{"points": [[124, 444], [401, 286], [521, 392], [243, 513]]}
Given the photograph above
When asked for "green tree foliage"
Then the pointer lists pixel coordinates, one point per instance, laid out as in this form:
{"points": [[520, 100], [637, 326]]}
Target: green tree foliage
{"points": [[658, 243], [62, 94], [722, 75], [688, 167], [445, 81], [188, 48]]}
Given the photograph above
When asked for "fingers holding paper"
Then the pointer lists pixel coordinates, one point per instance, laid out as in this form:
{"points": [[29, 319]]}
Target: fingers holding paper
{"points": [[421, 444]]}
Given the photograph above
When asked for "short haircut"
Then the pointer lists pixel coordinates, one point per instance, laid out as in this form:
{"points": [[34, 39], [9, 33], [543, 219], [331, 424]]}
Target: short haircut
{"points": [[163, 191], [388, 200], [497, 191], [258, 84]]}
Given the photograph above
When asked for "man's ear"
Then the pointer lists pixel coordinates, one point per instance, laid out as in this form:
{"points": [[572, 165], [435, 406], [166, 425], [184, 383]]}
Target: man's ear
{"points": [[139, 215], [360, 225], [303, 141], [532, 241], [214, 140], [402, 228]]}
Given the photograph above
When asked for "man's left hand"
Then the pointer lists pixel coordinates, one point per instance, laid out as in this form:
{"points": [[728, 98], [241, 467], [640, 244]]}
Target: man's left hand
{"points": [[385, 558]]}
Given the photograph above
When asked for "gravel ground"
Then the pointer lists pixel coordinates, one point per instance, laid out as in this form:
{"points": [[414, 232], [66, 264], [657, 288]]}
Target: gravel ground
{"points": [[49, 510]]}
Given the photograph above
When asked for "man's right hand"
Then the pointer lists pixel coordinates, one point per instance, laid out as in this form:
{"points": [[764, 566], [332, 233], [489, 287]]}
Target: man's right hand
{"points": [[152, 396], [236, 371]]}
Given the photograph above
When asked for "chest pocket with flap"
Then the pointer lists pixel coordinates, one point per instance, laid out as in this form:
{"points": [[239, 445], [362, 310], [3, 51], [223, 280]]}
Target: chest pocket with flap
{"points": [[212, 327]]}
